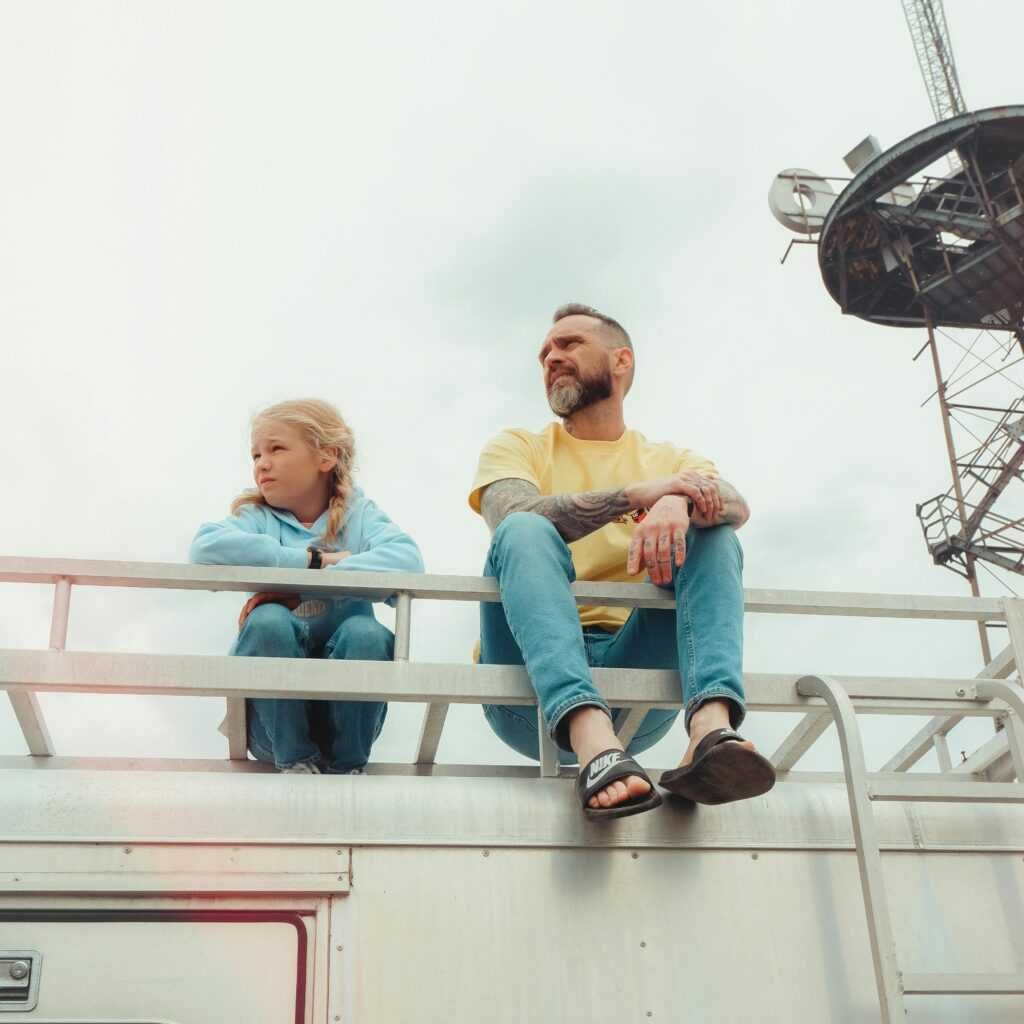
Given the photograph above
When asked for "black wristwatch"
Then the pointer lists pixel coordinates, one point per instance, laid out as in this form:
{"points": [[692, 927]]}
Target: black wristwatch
{"points": [[316, 559]]}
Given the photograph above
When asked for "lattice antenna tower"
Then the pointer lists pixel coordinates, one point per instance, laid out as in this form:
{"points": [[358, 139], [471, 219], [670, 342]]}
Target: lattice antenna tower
{"points": [[908, 243], [927, 22]]}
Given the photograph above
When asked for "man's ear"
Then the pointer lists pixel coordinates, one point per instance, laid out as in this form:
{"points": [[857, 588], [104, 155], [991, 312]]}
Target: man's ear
{"points": [[622, 363]]}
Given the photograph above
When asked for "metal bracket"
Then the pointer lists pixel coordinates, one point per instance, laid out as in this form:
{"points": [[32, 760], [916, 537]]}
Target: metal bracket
{"points": [[19, 979]]}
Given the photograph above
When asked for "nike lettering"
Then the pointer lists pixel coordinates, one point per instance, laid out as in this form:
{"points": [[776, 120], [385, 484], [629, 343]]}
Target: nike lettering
{"points": [[602, 765]]}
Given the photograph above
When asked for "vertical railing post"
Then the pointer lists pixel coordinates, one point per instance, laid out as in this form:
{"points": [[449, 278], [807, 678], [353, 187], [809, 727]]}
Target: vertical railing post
{"points": [[403, 626], [941, 745], [25, 703], [435, 714], [550, 761], [1014, 610], [61, 613]]}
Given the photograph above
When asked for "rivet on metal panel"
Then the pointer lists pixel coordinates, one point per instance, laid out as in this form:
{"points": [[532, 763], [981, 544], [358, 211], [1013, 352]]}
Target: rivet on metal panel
{"points": [[753, 856], [487, 853], [339, 948], [341, 878], [643, 945], [127, 849], [635, 855], [961, 692]]}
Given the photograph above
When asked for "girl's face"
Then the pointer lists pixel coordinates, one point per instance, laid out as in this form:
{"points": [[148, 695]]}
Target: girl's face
{"points": [[288, 472]]}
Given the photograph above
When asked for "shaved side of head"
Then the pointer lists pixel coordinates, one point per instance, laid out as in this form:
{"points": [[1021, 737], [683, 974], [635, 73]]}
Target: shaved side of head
{"points": [[615, 335]]}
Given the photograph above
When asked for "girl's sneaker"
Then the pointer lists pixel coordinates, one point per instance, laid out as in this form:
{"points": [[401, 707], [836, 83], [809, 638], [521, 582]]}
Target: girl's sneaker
{"points": [[301, 768]]}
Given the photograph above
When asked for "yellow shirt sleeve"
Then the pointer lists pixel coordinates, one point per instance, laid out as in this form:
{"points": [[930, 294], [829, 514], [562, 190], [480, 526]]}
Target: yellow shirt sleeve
{"points": [[509, 455], [689, 459]]}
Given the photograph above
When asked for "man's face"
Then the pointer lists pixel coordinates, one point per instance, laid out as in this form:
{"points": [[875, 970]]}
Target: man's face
{"points": [[576, 363]]}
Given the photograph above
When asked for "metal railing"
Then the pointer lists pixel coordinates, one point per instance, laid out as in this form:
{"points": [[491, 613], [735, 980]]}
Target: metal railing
{"points": [[822, 700], [24, 673]]}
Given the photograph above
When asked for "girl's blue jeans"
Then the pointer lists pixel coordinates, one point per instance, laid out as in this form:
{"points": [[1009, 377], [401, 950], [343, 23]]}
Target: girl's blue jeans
{"points": [[537, 624], [336, 735]]}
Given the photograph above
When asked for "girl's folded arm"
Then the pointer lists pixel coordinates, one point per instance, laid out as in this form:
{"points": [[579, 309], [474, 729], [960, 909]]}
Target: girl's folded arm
{"points": [[384, 547], [240, 540]]}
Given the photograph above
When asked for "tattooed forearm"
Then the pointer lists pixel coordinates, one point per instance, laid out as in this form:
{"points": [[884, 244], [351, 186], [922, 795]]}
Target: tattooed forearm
{"points": [[573, 515], [735, 513]]}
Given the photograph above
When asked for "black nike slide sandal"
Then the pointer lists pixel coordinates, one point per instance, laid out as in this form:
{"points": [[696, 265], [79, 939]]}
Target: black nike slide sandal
{"points": [[605, 768], [721, 771]]}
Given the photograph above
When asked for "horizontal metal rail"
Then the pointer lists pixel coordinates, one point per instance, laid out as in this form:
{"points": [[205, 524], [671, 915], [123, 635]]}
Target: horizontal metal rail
{"points": [[429, 587], [24, 673], [211, 675], [963, 984]]}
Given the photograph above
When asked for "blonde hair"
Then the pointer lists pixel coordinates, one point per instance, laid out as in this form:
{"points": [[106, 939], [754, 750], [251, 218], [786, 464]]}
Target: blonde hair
{"points": [[323, 429]]}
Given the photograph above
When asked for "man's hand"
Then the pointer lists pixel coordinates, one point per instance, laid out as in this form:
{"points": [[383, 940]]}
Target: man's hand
{"points": [[660, 539], [687, 482]]}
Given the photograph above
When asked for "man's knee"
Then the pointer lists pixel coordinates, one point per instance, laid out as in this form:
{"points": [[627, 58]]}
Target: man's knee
{"points": [[714, 542], [362, 638], [527, 532]]}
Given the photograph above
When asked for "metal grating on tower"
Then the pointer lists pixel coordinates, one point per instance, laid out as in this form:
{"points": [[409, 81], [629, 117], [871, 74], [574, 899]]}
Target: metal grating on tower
{"points": [[927, 22]]}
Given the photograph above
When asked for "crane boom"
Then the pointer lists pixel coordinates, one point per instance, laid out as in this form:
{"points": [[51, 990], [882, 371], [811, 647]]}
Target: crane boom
{"points": [[927, 22]]}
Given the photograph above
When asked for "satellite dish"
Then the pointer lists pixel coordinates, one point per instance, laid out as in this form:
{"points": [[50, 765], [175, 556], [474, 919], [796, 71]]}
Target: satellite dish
{"points": [[800, 200]]}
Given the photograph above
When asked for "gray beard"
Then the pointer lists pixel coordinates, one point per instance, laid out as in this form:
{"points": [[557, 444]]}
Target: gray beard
{"points": [[569, 394]]}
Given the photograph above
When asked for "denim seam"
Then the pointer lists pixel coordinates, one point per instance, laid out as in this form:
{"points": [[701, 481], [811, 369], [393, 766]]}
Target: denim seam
{"points": [[691, 648], [566, 706], [692, 705]]}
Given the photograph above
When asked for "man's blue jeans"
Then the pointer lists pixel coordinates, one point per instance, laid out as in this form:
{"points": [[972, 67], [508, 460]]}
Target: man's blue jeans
{"points": [[537, 624], [336, 735]]}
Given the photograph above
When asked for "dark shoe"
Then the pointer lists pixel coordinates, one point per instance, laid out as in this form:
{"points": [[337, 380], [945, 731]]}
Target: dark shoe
{"points": [[721, 771], [605, 768]]}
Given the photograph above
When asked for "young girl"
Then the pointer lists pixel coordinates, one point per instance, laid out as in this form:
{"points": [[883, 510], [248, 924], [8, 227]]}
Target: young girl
{"points": [[305, 512]]}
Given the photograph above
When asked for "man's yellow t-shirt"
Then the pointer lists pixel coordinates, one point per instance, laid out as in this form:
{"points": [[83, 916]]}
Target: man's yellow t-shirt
{"points": [[555, 462]]}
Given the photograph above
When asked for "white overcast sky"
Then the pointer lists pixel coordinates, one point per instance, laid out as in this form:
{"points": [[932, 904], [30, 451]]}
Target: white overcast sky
{"points": [[206, 207]]}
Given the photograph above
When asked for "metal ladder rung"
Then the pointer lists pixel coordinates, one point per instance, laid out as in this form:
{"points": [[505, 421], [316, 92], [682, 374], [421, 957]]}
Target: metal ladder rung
{"points": [[963, 984], [946, 792]]}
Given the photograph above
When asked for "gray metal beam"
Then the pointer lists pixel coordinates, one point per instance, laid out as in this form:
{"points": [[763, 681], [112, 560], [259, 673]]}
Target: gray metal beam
{"points": [[945, 791], [1001, 666], [800, 740], [430, 733], [963, 984], [631, 721], [242, 579], [198, 675], [31, 722], [984, 757]]}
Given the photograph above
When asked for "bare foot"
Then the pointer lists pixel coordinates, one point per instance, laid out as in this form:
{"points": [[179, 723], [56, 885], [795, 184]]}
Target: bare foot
{"points": [[590, 732], [707, 718]]}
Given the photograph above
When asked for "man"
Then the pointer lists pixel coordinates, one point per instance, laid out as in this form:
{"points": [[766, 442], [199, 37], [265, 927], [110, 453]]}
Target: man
{"points": [[588, 499]]}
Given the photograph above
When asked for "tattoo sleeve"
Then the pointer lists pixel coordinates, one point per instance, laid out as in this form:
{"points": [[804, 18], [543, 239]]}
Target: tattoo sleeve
{"points": [[736, 511], [573, 515]]}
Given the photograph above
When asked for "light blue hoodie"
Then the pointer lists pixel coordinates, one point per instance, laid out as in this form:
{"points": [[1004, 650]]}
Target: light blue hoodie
{"points": [[265, 536]]}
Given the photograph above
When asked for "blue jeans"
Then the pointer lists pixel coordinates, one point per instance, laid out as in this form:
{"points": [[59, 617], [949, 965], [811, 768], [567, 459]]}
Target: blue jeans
{"points": [[537, 624], [336, 735]]}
